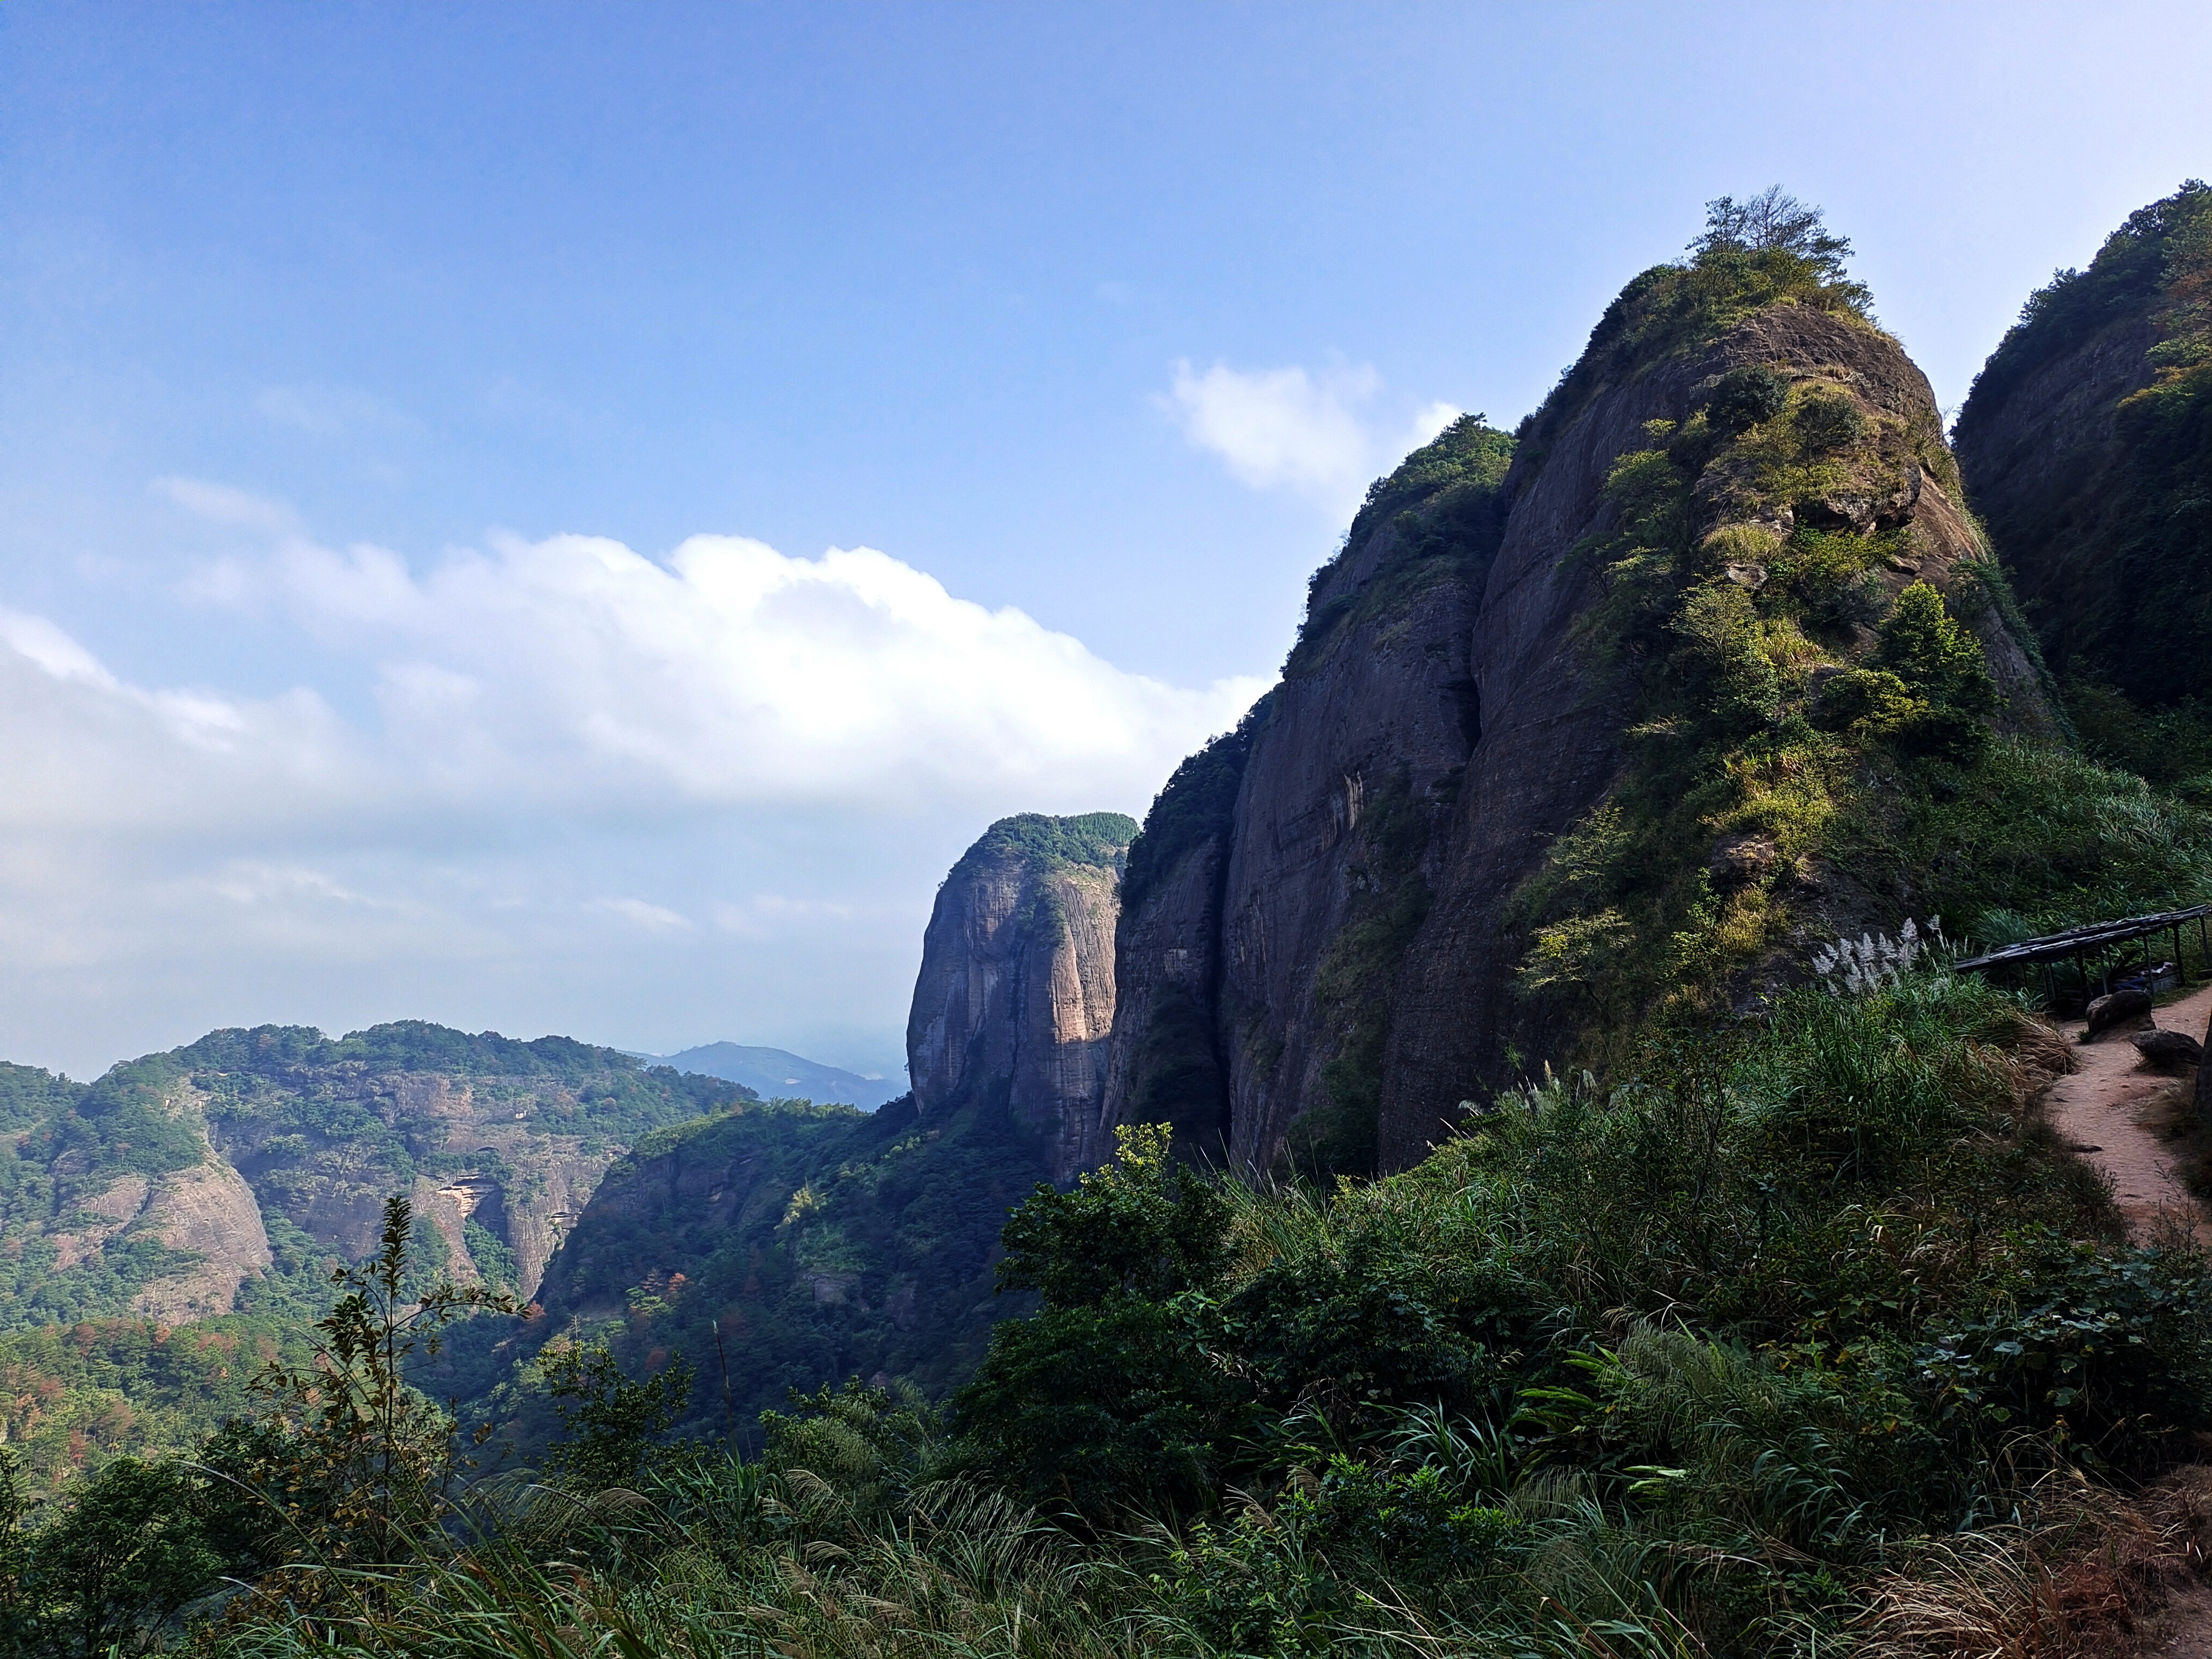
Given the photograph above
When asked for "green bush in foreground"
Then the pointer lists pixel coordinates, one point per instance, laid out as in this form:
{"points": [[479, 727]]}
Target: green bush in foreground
{"points": [[1690, 1364]]}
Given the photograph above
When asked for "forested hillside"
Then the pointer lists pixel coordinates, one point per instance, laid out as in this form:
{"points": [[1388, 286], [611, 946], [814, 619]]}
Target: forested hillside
{"points": [[230, 1176]]}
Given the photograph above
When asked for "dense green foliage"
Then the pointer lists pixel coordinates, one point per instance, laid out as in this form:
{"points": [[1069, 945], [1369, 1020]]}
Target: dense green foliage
{"points": [[1700, 1363], [292, 1080], [73, 1397], [1097, 838], [833, 1243]]}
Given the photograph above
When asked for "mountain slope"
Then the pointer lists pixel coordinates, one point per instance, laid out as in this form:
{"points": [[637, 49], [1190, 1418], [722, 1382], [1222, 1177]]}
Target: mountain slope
{"points": [[226, 1174], [776, 1073]]}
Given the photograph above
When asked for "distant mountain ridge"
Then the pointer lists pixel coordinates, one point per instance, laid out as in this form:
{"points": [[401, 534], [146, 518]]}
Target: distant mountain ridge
{"points": [[777, 1073], [226, 1174]]}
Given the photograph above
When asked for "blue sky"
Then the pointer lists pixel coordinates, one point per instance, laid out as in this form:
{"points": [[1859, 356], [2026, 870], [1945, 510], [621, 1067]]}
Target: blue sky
{"points": [[368, 367]]}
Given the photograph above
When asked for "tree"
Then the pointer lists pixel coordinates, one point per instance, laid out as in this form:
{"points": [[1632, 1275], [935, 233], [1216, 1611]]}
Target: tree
{"points": [[358, 1460], [126, 1555], [1143, 1225], [1772, 222], [607, 1421], [1106, 1399], [1940, 661]]}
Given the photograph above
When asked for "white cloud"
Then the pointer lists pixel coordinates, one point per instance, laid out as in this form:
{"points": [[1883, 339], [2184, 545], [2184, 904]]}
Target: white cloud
{"points": [[734, 673], [1429, 421], [1287, 428], [1280, 427], [332, 411], [652, 918], [491, 755], [225, 505]]}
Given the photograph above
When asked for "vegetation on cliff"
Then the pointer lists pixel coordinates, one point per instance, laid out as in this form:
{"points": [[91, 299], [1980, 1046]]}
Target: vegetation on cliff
{"points": [[2103, 511], [1811, 743], [810, 1243], [1101, 838]]}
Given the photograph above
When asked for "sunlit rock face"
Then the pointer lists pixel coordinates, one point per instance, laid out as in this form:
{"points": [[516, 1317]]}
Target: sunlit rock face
{"points": [[1015, 991], [1319, 945]]}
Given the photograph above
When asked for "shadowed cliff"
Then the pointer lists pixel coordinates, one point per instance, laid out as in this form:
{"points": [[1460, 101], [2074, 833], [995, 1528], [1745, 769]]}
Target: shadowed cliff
{"points": [[2086, 445]]}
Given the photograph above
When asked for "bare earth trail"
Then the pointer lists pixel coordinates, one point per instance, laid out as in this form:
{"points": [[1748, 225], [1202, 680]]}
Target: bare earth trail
{"points": [[2096, 1110]]}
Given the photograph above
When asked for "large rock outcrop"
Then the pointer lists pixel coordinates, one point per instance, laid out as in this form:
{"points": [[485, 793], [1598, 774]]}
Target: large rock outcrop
{"points": [[2084, 446], [1327, 964], [1015, 991]]}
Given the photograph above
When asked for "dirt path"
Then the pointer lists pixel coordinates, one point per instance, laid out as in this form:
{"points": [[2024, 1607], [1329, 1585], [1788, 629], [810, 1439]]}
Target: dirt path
{"points": [[2096, 1111]]}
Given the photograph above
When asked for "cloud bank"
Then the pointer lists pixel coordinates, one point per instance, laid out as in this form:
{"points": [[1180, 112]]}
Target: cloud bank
{"points": [[563, 748]]}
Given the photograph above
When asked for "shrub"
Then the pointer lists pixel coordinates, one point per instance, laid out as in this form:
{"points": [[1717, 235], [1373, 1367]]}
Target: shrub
{"points": [[1746, 397], [1826, 422]]}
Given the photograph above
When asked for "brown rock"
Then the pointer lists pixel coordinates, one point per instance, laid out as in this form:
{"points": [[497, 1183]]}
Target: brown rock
{"points": [[2106, 1012], [1016, 989]]}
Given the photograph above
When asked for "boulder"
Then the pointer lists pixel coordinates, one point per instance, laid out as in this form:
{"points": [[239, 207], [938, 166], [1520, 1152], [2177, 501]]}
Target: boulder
{"points": [[1738, 861], [2168, 1051], [2107, 1012]]}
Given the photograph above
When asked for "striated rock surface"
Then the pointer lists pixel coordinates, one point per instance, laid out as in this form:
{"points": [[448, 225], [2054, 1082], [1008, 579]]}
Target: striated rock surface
{"points": [[208, 1212], [2084, 446], [1017, 990], [1327, 965], [1350, 785]]}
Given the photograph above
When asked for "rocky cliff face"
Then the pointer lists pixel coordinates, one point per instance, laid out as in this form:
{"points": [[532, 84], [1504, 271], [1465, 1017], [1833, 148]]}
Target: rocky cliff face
{"points": [[1016, 987], [1451, 710], [2084, 446]]}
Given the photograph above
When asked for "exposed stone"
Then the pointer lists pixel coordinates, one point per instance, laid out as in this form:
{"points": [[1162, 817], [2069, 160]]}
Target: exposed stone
{"points": [[1738, 861], [2168, 1051], [1017, 984], [2107, 1012], [210, 1212]]}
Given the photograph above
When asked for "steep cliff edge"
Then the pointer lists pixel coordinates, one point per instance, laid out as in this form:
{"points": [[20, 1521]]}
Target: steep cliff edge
{"points": [[1613, 644], [1344, 801], [2085, 445], [1017, 988], [786, 1245]]}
